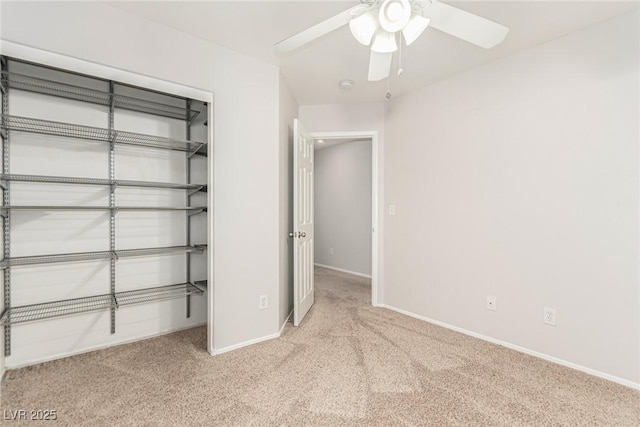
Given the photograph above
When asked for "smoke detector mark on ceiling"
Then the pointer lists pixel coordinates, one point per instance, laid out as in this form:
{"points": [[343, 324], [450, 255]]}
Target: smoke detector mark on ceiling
{"points": [[345, 84]]}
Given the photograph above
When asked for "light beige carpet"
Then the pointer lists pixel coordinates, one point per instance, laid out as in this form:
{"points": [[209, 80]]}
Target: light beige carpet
{"points": [[348, 364]]}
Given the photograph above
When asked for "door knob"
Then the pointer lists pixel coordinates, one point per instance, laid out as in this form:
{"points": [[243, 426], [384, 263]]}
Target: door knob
{"points": [[291, 234], [303, 234]]}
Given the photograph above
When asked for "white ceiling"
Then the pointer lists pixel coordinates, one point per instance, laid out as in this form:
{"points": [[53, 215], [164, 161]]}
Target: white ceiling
{"points": [[313, 72]]}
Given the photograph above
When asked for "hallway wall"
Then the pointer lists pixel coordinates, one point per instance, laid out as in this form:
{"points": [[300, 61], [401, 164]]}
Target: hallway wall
{"points": [[343, 206]]}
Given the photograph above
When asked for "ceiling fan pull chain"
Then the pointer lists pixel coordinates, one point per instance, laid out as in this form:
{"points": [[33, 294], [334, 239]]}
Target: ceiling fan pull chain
{"points": [[388, 94], [400, 70]]}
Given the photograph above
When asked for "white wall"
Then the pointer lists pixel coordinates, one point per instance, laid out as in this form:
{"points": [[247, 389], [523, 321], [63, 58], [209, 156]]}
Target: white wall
{"points": [[288, 112], [246, 138], [519, 179], [344, 117], [343, 206]]}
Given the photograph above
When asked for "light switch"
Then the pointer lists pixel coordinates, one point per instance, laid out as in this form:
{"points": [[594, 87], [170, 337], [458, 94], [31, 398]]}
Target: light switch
{"points": [[392, 209]]}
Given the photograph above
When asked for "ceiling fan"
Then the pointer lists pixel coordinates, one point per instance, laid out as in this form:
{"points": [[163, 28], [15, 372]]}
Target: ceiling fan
{"points": [[381, 24]]}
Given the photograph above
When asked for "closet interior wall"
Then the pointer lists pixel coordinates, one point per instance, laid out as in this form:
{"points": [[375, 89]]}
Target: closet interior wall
{"points": [[120, 254]]}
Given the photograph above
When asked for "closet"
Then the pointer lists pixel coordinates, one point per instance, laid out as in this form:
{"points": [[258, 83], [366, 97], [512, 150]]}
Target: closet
{"points": [[104, 212]]}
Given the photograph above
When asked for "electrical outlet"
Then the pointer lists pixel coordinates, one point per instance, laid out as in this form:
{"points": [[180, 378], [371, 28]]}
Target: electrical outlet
{"points": [[330, 251], [550, 316], [264, 302], [392, 210], [491, 303]]}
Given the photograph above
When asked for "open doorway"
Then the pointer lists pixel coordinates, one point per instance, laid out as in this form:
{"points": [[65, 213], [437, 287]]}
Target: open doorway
{"points": [[346, 220], [303, 236], [342, 194]]}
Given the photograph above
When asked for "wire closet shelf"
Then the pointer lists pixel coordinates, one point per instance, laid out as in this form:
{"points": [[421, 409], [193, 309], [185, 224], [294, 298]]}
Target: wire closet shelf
{"points": [[69, 130], [99, 181], [192, 209], [98, 255], [61, 308], [94, 96]]}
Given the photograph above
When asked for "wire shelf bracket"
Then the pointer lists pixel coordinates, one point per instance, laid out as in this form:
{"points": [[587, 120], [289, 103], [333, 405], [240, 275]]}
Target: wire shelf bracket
{"points": [[200, 284]]}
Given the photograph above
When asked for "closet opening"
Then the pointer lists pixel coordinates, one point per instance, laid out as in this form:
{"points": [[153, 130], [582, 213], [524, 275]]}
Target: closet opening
{"points": [[105, 214]]}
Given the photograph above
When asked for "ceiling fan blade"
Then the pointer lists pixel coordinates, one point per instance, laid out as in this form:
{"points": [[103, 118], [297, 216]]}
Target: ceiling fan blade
{"points": [[379, 65], [467, 26], [318, 30]]}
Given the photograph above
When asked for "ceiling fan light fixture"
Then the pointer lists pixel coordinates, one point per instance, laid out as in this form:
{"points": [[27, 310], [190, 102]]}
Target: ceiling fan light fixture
{"points": [[364, 27], [394, 14], [416, 26], [384, 42]]}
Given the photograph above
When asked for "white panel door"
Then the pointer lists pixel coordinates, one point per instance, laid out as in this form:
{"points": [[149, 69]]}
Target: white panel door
{"points": [[302, 222]]}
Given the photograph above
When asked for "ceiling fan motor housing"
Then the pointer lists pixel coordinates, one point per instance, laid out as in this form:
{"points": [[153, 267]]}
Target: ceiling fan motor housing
{"points": [[394, 15]]}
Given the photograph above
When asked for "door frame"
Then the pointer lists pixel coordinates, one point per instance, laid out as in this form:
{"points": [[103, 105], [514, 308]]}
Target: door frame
{"points": [[376, 198]]}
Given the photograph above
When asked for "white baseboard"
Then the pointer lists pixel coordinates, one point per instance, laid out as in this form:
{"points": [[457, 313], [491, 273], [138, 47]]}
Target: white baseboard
{"points": [[253, 341], [101, 347], [518, 348], [245, 344], [342, 270]]}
